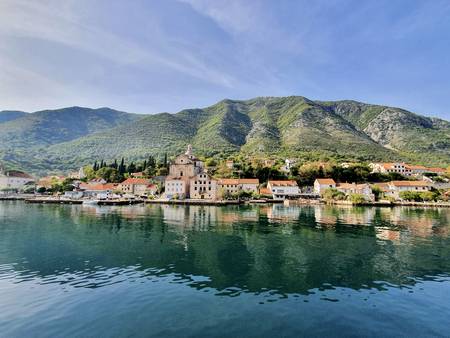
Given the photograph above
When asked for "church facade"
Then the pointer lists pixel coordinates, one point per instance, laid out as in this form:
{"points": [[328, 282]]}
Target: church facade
{"points": [[180, 183]]}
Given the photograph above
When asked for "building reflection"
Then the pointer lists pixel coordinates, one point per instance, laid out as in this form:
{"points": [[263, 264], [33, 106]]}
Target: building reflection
{"points": [[250, 248]]}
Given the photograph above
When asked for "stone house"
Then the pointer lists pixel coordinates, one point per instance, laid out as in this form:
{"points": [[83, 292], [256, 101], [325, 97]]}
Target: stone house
{"points": [[322, 184]]}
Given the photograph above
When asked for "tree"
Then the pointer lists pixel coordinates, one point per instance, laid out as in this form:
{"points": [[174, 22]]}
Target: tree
{"points": [[122, 168], [131, 168], [332, 194], [110, 175], [357, 198], [410, 196], [377, 192], [429, 196]]}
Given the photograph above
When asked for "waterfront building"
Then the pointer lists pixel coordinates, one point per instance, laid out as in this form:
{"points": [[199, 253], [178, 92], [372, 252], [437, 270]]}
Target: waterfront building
{"points": [[229, 186], [137, 186], [202, 186], [394, 188], [283, 189], [322, 184], [184, 168], [353, 188], [98, 190], [13, 179]]}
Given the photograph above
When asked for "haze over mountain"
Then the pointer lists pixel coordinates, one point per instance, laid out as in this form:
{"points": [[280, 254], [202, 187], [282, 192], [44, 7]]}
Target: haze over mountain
{"points": [[267, 126]]}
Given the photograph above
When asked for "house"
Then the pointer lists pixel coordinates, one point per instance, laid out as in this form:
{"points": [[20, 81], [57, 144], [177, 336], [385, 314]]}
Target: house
{"points": [[229, 186], [182, 171], [405, 169], [353, 188], [283, 189], [78, 175], [287, 165], [13, 179], [136, 186], [322, 184], [176, 187], [396, 187], [396, 167], [203, 187], [98, 190]]}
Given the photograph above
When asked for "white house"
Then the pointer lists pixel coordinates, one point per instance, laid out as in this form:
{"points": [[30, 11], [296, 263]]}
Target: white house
{"points": [[396, 187], [176, 186], [322, 184], [283, 189], [13, 180]]}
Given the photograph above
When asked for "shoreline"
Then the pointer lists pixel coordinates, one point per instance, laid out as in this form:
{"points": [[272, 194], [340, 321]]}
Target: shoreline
{"points": [[287, 203]]}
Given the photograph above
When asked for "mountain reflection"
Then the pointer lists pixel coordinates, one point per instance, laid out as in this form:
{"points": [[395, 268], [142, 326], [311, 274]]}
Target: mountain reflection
{"points": [[235, 249]]}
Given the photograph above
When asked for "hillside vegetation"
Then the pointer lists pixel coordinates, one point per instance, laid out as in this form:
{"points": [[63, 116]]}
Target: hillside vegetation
{"points": [[270, 126]]}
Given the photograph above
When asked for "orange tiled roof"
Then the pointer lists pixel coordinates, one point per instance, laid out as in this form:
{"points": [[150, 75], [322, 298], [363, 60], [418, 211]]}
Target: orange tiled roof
{"points": [[136, 181], [410, 183], [249, 181], [437, 170], [228, 181], [326, 181], [284, 183]]}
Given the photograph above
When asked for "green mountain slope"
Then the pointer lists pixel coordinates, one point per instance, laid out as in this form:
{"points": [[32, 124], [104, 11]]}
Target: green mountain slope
{"points": [[9, 115], [398, 129], [54, 126], [269, 126]]}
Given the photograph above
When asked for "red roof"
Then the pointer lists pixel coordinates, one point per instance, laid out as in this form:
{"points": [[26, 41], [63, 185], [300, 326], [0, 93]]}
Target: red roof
{"points": [[284, 183], [249, 181], [410, 183], [329, 181], [136, 181]]}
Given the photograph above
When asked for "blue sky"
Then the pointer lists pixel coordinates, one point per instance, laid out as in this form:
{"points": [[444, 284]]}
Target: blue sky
{"points": [[161, 55]]}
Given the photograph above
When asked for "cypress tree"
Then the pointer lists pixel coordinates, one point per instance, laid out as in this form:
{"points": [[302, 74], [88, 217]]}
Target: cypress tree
{"points": [[122, 167]]}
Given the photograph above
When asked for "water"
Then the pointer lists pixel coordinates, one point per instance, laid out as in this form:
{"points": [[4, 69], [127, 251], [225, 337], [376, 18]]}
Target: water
{"points": [[261, 271]]}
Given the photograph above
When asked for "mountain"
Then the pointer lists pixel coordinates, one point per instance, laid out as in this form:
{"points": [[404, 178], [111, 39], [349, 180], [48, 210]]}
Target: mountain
{"points": [[9, 115], [267, 126], [24, 139]]}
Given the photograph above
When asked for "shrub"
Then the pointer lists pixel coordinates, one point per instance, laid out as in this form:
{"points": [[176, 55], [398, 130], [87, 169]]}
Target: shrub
{"points": [[333, 194], [357, 198]]}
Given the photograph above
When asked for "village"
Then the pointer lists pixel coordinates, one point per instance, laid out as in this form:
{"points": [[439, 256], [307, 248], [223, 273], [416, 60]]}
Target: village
{"points": [[189, 180]]}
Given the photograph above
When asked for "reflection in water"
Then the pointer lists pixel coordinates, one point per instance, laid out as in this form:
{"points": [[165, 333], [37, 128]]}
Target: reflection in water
{"points": [[267, 250]]}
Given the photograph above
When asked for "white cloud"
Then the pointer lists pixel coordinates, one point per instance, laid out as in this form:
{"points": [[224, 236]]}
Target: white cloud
{"points": [[62, 22]]}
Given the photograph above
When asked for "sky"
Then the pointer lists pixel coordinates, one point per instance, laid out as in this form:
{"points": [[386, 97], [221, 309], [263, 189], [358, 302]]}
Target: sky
{"points": [[155, 56]]}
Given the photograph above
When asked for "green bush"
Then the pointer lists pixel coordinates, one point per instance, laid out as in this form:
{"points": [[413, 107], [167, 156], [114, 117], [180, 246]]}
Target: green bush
{"points": [[333, 194], [357, 198]]}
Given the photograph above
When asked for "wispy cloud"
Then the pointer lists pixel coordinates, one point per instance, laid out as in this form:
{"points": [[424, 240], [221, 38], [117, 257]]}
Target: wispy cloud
{"points": [[63, 22]]}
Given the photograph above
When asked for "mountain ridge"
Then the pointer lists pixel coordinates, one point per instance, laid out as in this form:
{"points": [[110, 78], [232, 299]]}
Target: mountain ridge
{"points": [[293, 126]]}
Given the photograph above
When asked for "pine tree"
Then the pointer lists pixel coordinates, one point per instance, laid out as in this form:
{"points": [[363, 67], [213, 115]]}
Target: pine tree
{"points": [[95, 166]]}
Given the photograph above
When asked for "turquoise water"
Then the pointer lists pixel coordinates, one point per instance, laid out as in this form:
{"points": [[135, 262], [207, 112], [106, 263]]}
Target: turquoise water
{"points": [[262, 271]]}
